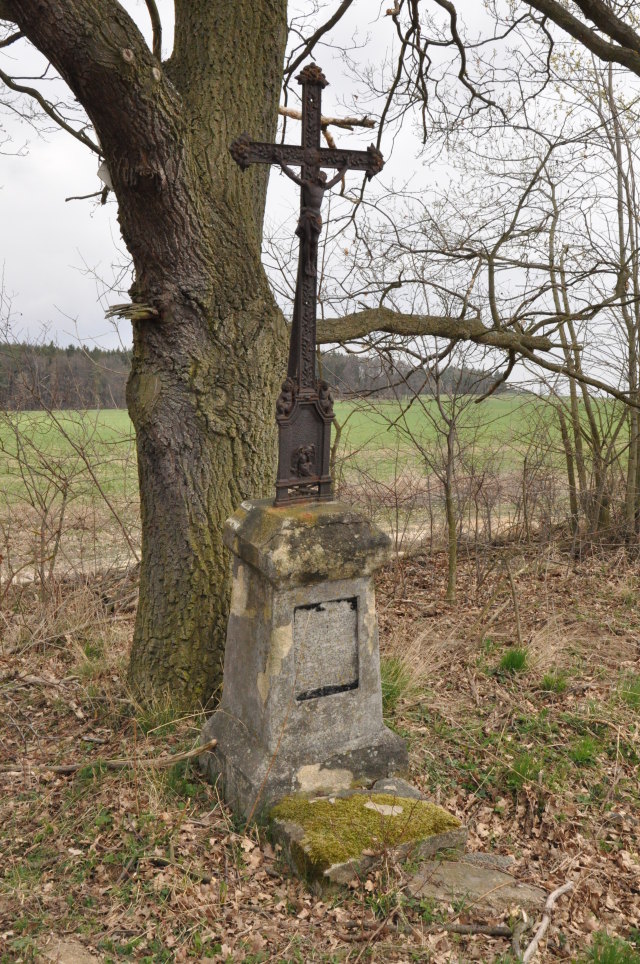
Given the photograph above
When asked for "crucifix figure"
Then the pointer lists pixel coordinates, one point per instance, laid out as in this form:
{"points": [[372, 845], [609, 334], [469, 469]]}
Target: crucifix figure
{"points": [[310, 223], [304, 410]]}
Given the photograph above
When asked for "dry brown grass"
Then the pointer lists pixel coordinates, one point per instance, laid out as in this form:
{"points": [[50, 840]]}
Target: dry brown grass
{"points": [[148, 865]]}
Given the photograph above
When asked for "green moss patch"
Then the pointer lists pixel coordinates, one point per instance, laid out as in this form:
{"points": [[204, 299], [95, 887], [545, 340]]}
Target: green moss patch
{"points": [[338, 829]]}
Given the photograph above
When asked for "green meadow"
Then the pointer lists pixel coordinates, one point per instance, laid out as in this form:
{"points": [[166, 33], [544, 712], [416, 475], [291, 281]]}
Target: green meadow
{"points": [[384, 438], [389, 434], [67, 450]]}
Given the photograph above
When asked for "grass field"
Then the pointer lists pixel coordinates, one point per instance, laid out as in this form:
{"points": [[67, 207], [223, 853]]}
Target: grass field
{"points": [[379, 433], [364, 422], [63, 445], [69, 498], [388, 423], [71, 477]]}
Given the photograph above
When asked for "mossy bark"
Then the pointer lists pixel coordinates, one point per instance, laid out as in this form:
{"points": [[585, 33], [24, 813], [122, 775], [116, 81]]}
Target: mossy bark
{"points": [[205, 372]]}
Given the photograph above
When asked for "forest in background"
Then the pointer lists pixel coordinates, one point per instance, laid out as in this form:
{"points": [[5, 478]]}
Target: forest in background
{"points": [[42, 377]]}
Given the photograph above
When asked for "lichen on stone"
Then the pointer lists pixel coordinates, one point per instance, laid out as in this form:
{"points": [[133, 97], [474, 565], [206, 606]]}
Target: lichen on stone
{"points": [[338, 829]]}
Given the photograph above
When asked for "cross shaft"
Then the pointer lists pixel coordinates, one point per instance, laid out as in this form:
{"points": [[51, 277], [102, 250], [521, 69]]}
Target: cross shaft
{"points": [[304, 410]]}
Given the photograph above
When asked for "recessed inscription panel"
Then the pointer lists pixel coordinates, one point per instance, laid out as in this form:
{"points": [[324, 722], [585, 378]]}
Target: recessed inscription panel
{"points": [[325, 637]]}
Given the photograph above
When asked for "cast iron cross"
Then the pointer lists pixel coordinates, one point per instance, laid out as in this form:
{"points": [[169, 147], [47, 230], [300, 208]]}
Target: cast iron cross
{"points": [[304, 410]]}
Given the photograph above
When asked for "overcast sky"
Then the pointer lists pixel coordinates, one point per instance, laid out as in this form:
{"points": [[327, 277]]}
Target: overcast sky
{"points": [[52, 250]]}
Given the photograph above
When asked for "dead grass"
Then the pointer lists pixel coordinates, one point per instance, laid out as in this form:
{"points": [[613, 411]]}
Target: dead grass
{"points": [[148, 865]]}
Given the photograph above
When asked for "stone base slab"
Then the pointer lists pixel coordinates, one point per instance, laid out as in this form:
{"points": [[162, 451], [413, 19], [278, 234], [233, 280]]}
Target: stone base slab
{"points": [[335, 840], [479, 880]]}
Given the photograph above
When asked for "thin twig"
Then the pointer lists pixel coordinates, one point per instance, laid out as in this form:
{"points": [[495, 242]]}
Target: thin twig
{"points": [[50, 110], [84, 197], [489, 930], [546, 920], [315, 37], [516, 607], [518, 932], [200, 878], [123, 764], [11, 39], [156, 24]]}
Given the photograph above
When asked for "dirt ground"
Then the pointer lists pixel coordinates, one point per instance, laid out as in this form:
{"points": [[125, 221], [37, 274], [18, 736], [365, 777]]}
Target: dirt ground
{"points": [[521, 705]]}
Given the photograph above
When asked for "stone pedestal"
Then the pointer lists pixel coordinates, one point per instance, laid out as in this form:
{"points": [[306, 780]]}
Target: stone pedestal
{"points": [[301, 710]]}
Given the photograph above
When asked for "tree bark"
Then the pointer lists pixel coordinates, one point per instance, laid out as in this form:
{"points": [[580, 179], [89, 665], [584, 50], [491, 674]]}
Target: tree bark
{"points": [[452, 545], [204, 373]]}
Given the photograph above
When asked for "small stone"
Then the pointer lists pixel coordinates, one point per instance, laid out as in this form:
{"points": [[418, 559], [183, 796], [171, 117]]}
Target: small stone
{"points": [[67, 952], [398, 786], [496, 861], [385, 809]]}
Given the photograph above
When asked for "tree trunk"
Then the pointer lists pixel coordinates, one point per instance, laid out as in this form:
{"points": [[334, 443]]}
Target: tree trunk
{"points": [[205, 371], [203, 401], [571, 474], [452, 545], [203, 413], [452, 528]]}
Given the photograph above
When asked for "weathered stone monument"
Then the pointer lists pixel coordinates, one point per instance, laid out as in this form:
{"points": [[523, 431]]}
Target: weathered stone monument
{"points": [[301, 708], [299, 732]]}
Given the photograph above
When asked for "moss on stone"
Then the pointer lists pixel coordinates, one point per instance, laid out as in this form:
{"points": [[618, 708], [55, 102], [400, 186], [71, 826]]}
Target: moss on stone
{"points": [[338, 829]]}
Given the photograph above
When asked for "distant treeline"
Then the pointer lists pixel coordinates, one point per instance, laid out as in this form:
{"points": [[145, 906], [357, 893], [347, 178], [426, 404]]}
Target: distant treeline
{"points": [[47, 376], [376, 375]]}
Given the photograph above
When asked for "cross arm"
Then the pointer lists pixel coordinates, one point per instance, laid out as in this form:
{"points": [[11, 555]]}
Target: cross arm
{"points": [[370, 160], [244, 151]]}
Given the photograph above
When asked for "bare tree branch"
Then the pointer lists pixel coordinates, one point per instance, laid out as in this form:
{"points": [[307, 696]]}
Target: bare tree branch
{"points": [[84, 197], [569, 372], [606, 20], [462, 73], [504, 377], [546, 920], [138, 117], [50, 110], [348, 123], [315, 37], [609, 52], [11, 39], [156, 24], [362, 323]]}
